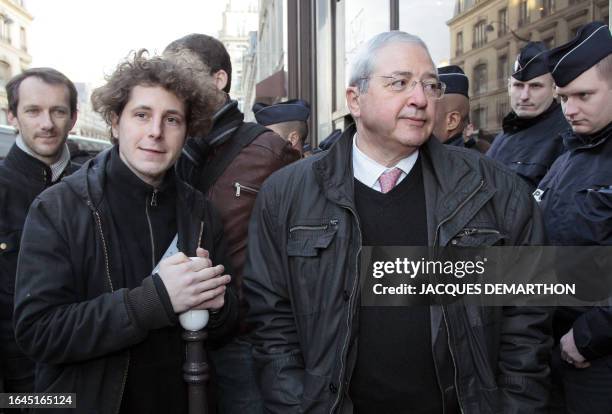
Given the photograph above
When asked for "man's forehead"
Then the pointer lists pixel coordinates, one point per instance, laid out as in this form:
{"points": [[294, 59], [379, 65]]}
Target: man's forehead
{"points": [[152, 97], [587, 81], [405, 57], [30, 94]]}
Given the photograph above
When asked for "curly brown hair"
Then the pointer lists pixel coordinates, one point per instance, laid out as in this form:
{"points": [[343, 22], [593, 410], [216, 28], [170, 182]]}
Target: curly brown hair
{"points": [[201, 100]]}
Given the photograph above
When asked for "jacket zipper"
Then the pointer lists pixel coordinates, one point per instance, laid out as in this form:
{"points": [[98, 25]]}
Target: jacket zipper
{"points": [[110, 282], [241, 187], [153, 199], [349, 319], [333, 222], [435, 243]]}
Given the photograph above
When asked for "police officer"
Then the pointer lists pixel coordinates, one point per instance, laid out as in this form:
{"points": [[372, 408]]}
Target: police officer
{"points": [[576, 199], [530, 142], [453, 110], [288, 119]]}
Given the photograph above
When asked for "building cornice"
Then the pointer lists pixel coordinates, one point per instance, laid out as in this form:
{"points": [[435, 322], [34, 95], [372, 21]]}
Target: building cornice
{"points": [[17, 9], [478, 7]]}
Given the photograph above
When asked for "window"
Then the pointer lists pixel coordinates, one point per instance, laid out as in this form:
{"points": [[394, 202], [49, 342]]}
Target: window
{"points": [[5, 72], [460, 6], [503, 107], [502, 17], [23, 41], [547, 7], [479, 118], [5, 28], [523, 13], [459, 45], [480, 34], [503, 72], [480, 78]]}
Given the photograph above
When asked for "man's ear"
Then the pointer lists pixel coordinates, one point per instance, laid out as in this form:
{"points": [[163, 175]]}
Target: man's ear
{"points": [[73, 119], [12, 119], [220, 78], [453, 119], [294, 139], [352, 101]]}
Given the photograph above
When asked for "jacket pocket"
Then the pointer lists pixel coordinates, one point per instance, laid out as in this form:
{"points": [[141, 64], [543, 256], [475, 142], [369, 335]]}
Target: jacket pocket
{"points": [[312, 260], [9, 242], [308, 239], [475, 237], [245, 189]]}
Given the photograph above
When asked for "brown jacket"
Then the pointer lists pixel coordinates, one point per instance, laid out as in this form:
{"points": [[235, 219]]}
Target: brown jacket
{"points": [[234, 193]]}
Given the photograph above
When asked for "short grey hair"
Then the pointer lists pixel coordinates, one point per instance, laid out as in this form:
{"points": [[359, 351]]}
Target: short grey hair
{"points": [[364, 62]]}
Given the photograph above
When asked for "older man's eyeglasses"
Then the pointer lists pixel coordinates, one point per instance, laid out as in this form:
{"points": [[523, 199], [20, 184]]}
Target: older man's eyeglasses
{"points": [[397, 83]]}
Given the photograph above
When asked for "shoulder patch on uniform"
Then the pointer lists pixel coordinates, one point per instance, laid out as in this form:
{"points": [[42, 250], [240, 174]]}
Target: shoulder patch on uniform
{"points": [[537, 194]]}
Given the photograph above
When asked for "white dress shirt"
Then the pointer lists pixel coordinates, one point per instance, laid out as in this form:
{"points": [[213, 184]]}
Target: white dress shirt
{"points": [[367, 171]]}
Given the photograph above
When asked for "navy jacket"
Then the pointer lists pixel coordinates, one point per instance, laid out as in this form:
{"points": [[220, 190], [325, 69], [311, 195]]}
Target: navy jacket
{"points": [[576, 201], [530, 146]]}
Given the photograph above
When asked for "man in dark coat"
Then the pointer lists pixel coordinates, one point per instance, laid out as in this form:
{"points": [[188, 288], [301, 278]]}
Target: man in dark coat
{"points": [[43, 109], [98, 293], [453, 110], [229, 164], [530, 140], [576, 201], [388, 182]]}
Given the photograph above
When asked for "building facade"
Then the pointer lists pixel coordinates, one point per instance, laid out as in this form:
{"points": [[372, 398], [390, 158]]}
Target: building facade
{"points": [[310, 57], [15, 23], [486, 36], [89, 123], [239, 20]]}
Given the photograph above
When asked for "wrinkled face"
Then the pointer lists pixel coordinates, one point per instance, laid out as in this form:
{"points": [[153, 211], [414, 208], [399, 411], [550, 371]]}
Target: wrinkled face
{"points": [[529, 99], [586, 102], [151, 131], [396, 121], [43, 117]]}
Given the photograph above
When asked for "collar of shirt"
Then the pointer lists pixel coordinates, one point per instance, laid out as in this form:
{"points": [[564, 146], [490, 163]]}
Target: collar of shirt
{"points": [[56, 168], [367, 171]]}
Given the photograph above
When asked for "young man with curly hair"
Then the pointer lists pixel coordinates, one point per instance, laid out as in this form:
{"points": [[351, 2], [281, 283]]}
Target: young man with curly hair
{"points": [[97, 293]]}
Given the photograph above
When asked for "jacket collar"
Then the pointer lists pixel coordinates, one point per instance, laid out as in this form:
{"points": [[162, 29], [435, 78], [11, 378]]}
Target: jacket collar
{"points": [[89, 182], [27, 165], [512, 123], [574, 141], [452, 182]]}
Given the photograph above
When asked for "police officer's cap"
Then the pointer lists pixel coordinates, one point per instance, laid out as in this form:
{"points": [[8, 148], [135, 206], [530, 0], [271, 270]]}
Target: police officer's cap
{"points": [[531, 62], [592, 43], [292, 110], [455, 79]]}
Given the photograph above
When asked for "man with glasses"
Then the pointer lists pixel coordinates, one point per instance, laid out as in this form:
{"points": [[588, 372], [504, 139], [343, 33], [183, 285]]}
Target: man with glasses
{"points": [[531, 138], [386, 182]]}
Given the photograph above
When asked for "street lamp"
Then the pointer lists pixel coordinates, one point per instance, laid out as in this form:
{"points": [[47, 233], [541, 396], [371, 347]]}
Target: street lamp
{"points": [[489, 28]]}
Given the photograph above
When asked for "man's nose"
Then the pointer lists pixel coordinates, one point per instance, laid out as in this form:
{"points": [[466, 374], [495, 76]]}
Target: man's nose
{"points": [[155, 128], [46, 122], [417, 96], [570, 109], [524, 93]]}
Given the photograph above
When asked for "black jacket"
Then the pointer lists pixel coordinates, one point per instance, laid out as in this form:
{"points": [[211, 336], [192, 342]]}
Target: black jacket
{"points": [[22, 178], [530, 146], [72, 313], [301, 284], [576, 201]]}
